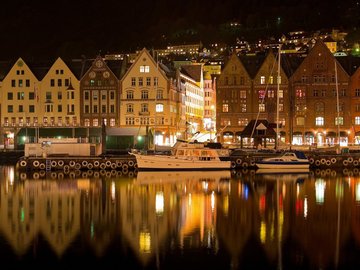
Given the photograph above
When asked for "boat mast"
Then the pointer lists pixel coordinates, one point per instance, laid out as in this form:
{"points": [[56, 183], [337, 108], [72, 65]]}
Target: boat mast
{"points": [[337, 104], [156, 87], [277, 100]]}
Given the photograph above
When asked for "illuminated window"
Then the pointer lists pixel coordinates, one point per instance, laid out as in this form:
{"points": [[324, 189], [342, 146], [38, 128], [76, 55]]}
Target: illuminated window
{"points": [[133, 81], [87, 122], [112, 122], [243, 107], [261, 94], [261, 107], [262, 80], [319, 121], [357, 120], [242, 93], [339, 121], [144, 69], [159, 107], [225, 107]]}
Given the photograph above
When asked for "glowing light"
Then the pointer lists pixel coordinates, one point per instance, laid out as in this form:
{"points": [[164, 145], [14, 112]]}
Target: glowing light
{"points": [[144, 242], [113, 190], [263, 232], [226, 205], [357, 192], [212, 201], [320, 191], [159, 203], [22, 215], [305, 208]]}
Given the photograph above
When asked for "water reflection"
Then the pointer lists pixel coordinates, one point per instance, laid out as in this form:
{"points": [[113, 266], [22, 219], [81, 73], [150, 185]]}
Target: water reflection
{"points": [[177, 220]]}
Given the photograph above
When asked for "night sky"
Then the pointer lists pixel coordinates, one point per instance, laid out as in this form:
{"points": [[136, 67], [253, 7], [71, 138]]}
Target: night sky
{"points": [[71, 28]]}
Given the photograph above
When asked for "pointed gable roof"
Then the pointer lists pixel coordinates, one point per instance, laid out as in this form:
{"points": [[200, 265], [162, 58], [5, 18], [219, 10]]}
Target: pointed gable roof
{"points": [[235, 60], [145, 53], [319, 46], [252, 63]]}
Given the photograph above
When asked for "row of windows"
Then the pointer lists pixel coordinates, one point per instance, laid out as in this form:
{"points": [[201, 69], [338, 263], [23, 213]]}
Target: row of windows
{"points": [[20, 82], [48, 108], [144, 108], [96, 122], [333, 93], [22, 95], [320, 121], [95, 95], [243, 107], [35, 121], [104, 109], [144, 94], [140, 81], [244, 122]]}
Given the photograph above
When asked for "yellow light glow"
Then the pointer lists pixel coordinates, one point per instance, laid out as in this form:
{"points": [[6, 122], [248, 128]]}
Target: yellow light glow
{"points": [[263, 232], [145, 242], [159, 203]]}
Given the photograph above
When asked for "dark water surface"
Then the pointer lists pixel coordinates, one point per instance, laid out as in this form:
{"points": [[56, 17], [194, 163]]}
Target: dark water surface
{"points": [[179, 220]]}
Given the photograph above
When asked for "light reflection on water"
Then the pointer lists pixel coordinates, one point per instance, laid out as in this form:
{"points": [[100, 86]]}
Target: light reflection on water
{"points": [[178, 220]]}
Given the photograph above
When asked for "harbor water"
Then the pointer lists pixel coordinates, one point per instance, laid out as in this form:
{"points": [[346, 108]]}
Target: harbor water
{"points": [[179, 220]]}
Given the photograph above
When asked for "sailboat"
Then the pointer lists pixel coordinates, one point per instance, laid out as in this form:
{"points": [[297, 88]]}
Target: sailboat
{"points": [[288, 160]]}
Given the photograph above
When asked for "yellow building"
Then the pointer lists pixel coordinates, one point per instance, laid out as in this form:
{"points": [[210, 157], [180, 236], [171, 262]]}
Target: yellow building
{"points": [[192, 84], [149, 98]]}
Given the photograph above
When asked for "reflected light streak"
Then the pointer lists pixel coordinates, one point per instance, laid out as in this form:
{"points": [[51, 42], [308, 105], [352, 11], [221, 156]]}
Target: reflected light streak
{"points": [[357, 192], [226, 205], [113, 190], [212, 201], [262, 232], [11, 175], [305, 208], [145, 242], [320, 191], [159, 203]]}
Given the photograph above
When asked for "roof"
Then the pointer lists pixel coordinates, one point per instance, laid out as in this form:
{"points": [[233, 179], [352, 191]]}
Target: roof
{"points": [[248, 130], [192, 71], [130, 131], [349, 63], [252, 63]]}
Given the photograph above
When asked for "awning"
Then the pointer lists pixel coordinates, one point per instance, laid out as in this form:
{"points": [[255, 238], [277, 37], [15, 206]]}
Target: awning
{"points": [[55, 132], [297, 133], [131, 131], [282, 133], [26, 132], [238, 133], [343, 134], [228, 133], [81, 132], [331, 134], [309, 134], [357, 133]]}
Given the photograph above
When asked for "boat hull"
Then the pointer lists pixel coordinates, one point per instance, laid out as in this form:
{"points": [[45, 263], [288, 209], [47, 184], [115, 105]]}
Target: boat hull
{"points": [[161, 162], [282, 165]]}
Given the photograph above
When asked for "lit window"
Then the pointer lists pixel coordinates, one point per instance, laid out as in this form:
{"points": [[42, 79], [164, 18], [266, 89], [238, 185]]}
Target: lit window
{"points": [[262, 80], [357, 120], [225, 108], [319, 121], [144, 69], [159, 107]]}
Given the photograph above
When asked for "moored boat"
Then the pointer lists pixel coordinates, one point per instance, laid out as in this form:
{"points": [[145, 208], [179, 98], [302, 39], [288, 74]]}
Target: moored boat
{"points": [[288, 160], [186, 156]]}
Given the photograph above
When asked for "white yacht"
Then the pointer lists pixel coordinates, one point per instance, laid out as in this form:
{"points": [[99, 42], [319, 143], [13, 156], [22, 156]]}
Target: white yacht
{"points": [[186, 156]]}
